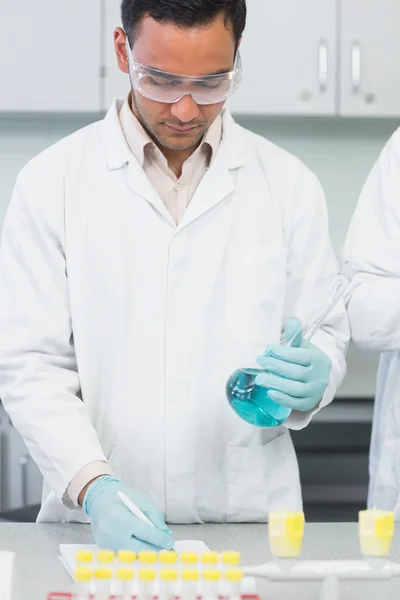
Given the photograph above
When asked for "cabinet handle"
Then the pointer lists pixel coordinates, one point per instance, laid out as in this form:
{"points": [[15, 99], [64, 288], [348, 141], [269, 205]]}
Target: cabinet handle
{"points": [[356, 67], [323, 66], [23, 463]]}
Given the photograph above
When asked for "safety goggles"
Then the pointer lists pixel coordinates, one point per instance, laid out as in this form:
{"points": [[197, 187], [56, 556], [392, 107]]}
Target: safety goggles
{"points": [[169, 88]]}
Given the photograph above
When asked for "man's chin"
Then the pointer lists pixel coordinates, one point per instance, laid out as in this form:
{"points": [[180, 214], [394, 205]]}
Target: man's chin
{"points": [[179, 141]]}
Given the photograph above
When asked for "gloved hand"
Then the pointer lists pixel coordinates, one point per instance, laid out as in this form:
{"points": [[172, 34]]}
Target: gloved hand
{"points": [[114, 527], [298, 374]]}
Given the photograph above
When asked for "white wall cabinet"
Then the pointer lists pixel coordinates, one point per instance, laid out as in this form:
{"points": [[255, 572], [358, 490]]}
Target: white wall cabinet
{"points": [[300, 57], [50, 55], [23, 476], [115, 83], [289, 58], [321, 57], [20, 478], [370, 58]]}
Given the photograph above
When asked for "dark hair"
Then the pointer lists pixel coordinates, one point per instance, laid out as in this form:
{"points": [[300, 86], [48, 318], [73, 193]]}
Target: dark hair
{"points": [[186, 13]]}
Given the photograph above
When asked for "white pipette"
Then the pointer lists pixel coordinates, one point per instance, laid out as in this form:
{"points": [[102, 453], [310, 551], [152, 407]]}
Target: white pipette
{"points": [[135, 510]]}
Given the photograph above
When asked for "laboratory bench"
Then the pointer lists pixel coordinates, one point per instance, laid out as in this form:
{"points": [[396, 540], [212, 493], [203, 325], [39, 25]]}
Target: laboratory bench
{"points": [[38, 568]]}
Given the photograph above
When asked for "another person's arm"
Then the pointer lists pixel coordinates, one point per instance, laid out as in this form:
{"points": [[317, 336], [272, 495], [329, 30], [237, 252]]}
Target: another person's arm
{"points": [[373, 243]]}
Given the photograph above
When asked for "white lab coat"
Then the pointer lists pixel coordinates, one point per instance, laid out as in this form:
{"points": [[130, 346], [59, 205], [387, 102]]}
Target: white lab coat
{"points": [[103, 298], [374, 308]]}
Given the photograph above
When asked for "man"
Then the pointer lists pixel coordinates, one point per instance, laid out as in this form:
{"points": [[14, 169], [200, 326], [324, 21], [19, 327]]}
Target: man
{"points": [[144, 259], [373, 244]]}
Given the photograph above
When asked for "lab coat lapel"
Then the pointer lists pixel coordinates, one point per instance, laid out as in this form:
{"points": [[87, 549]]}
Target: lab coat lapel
{"points": [[119, 157], [219, 181], [217, 184], [140, 184]]}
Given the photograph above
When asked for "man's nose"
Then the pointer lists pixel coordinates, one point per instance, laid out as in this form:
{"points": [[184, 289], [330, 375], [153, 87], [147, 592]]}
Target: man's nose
{"points": [[185, 109]]}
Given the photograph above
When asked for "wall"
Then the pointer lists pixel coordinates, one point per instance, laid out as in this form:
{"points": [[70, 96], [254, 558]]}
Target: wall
{"points": [[340, 152]]}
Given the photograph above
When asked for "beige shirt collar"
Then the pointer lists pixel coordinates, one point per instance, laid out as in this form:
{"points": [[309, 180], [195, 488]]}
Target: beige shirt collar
{"points": [[140, 142]]}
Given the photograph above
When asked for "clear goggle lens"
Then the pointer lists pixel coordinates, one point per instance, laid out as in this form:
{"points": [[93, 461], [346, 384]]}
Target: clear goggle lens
{"points": [[161, 86]]}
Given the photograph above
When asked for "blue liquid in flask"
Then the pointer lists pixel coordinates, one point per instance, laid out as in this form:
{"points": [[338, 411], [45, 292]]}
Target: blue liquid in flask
{"points": [[251, 402]]}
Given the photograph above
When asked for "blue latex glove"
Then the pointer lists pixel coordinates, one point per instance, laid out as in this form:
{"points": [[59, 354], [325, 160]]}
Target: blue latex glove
{"points": [[298, 374], [114, 527]]}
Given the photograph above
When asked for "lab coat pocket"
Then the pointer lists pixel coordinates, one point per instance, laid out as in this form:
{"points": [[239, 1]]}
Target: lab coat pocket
{"points": [[262, 478], [255, 284]]}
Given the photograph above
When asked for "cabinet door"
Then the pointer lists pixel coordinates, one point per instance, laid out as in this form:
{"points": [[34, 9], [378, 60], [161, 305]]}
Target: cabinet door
{"points": [[50, 55], [115, 82], [23, 480], [3, 420], [288, 53], [370, 58]]}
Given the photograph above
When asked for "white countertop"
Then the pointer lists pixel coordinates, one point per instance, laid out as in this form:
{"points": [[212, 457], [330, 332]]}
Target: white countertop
{"points": [[38, 569]]}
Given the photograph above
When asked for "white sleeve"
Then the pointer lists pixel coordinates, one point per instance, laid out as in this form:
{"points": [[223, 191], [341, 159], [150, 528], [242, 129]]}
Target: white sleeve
{"points": [[311, 266], [39, 382], [373, 242], [86, 475]]}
